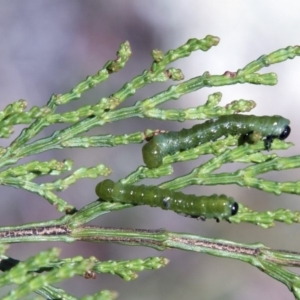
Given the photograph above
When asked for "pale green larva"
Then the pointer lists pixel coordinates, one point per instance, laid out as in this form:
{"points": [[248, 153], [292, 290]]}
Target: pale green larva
{"points": [[219, 207], [270, 127]]}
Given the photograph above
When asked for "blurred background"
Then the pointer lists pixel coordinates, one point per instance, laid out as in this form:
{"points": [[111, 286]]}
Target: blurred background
{"points": [[49, 46]]}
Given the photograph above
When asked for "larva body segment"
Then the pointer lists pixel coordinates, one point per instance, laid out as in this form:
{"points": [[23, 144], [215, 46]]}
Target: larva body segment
{"points": [[214, 206], [171, 142]]}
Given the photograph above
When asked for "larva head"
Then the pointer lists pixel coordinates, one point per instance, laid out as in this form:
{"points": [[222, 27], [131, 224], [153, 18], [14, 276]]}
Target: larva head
{"points": [[104, 189], [280, 127], [223, 208], [275, 127], [152, 155]]}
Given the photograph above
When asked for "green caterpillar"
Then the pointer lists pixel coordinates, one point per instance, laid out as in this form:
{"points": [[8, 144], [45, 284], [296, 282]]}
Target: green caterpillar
{"points": [[270, 127], [219, 207]]}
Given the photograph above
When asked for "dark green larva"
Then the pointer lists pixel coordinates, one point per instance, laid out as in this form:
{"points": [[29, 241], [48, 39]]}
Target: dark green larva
{"points": [[218, 207], [169, 143]]}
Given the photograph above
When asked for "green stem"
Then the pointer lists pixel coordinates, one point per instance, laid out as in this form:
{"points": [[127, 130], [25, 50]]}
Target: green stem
{"points": [[267, 260]]}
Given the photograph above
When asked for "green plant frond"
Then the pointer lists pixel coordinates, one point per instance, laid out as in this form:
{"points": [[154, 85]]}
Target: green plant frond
{"points": [[39, 273]]}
